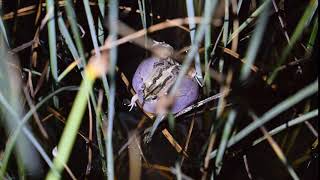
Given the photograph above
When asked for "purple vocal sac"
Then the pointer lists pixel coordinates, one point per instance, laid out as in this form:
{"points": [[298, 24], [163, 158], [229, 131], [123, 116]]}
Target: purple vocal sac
{"points": [[155, 75]]}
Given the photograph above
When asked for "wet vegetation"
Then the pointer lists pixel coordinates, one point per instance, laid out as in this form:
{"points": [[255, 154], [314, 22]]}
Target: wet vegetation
{"points": [[66, 70]]}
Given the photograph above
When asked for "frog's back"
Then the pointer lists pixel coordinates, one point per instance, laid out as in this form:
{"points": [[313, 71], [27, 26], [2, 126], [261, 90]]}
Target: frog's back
{"points": [[142, 73]]}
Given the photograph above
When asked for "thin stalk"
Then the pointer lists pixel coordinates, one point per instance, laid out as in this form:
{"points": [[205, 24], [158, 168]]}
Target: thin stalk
{"points": [[255, 42], [4, 34], [67, 37], [313, 35], [113, 19], [91, 27], [101, 4], [248, 21], [72, 19], [239, 6], [14, 137], [276, 148], [192, 27], [207, 62], [143, 19], [272, 113], [73, 123], [293, 122], [52, 39], [224, 140], [313, 5], [208, 12], [15, 134], [95, 42]]}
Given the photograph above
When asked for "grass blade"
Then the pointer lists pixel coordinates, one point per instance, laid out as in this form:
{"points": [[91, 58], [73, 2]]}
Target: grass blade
{"points": [[113, 19], [277, 150], [74, 28], [3, 32], [224, 140], [74, 120], [101, 4], [290, 123], [248, 21], [209, 9], [255, 42], [313, 5], [207, 62], [269, 115], [67, 37], [90, 20], [313, 35], [52, 39], [192, 27]]}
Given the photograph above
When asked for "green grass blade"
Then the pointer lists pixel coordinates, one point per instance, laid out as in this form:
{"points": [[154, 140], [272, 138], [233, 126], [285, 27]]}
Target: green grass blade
{"points": [[142, 9], [290, 123], [272, 113], [90, 20], [192, 27], [313, 35], [67, 37], [208, 12], [72, 125], [248, 21], [11, 110], [3, 32], [74, 28], [255, 42], [239, 6], [52, 39], [226, 23], [95, 42], [102, 6], [224, 140], [277, 150], [113, 19], [313, 5], [13, 138], [209, 9], [207, 44]]}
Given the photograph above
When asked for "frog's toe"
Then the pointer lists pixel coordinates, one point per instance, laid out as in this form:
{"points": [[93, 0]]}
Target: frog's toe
{"points": [[133, 102]]}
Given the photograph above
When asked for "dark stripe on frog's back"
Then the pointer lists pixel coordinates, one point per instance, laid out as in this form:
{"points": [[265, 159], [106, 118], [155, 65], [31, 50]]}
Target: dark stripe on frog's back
{"points": [[157, 89], [160, 67]]}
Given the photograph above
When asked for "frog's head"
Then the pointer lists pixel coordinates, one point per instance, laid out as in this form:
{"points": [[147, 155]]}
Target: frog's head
{"points": [[161, 50]]}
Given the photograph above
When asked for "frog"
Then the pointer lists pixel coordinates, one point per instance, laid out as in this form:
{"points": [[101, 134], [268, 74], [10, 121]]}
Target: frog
{"points": [[156, 75]]}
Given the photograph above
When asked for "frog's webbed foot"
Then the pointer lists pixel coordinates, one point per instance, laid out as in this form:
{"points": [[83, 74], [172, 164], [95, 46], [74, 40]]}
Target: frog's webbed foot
{"points": [[133, 102]]}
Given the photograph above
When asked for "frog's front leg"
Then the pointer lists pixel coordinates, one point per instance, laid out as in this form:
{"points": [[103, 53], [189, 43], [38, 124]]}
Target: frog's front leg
{"points": [[133, 101]]}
